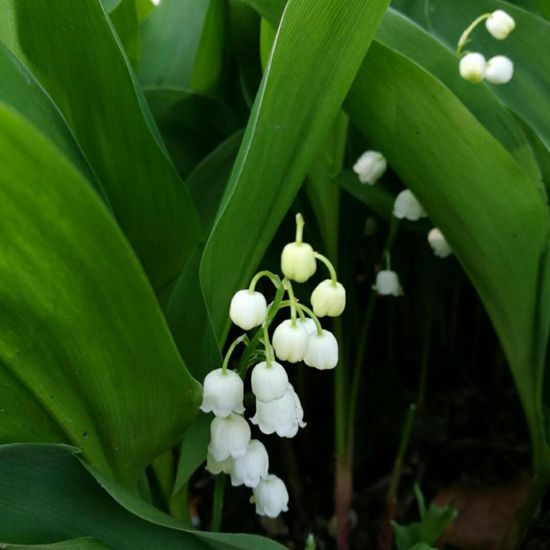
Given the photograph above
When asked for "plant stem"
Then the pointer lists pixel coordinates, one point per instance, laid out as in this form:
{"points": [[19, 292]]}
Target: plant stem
{"points": [[299, 228], [288, 286], [272, 277], [217, 503], [466, 34], [330, 267], [234, 344]]}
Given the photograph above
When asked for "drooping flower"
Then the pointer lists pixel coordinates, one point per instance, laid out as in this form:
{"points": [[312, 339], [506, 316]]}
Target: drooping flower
{"points": [[229, 437], [248, 309], [290, 342], [500, 24], [270, 497], [406, 206], [298, 261], [370, 167], [215, 467], [322, 351], [387, 283], [439, 244], [252, 467], [269, 383], [328, 298], [223, 393], [472, 67], [282, 416], [500, 70]]}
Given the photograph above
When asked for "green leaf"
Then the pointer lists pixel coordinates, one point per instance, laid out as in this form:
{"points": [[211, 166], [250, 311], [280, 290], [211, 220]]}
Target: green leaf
{"points": [[66, 501], [74, 52], [183, 45], [191, 125], [125, 20], [295, 107], [22, 92], [492, 214], [447, 19], [86, 356], [73, 544]]}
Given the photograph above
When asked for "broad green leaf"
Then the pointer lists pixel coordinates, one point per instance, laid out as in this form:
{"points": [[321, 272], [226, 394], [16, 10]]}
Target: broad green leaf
{"points": [[527, 93], [22, 92], [318, 47], [191, 125], [86, 355], [73, 50], [74, 544], [67, 500], [492, 214], [125, 20], [183, 45]]}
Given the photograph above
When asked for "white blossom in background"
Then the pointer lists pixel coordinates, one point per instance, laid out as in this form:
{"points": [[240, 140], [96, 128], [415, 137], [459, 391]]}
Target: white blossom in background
{"points": [[406, 206], [252, 467], [270, 497], [500, 70], [290, 342], [439, 244], [370, 167], [500, 24], [229, 437], [298, 262], [269, 383], [282, 416], [217, 467], [472, 67], [387, 283], [322, 352], [248, 309], [308, 324], [223, 393], [328, 298]]}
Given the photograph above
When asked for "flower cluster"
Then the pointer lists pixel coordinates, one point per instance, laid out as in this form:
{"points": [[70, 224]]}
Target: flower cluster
{"points": [[369, 168], [278, 409], [473, 66]]}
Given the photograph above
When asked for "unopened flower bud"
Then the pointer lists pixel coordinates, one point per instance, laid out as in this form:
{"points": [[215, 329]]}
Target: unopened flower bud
{"points": [[223, 393], [370, 166], [298, 262], [500, 24], [282, 416], [248, 309], [290, 342], [328, 298], [215, 467], [439, 244], [269, 383], [322, 351], [270, 497], [252, 467], [229, 436], [500, 70], [406, 206], [387, 283], [472, 67]]}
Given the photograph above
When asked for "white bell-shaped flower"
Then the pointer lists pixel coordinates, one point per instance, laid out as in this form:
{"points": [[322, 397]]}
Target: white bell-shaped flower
{"points": [[328, 298], [222, 393], [370, 167], [472, 67], [322, 351], [229, 436], [298, 262], [269, 383], [308, 324], [439, 244], [215, 467], [387, 283], [270, 497], [500, 24], [290, 342], [406, 206], [500, 70], [252, 467], [248, 309], [283, 416]]}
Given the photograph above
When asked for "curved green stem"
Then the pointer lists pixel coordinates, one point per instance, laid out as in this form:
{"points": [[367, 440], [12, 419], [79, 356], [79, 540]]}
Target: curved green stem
{"points": [[234, 344], [330, 267], [267, 346], [299, 227], [293, 302], [217, 503], [466, 34], [275, 279], [313, 316]]}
